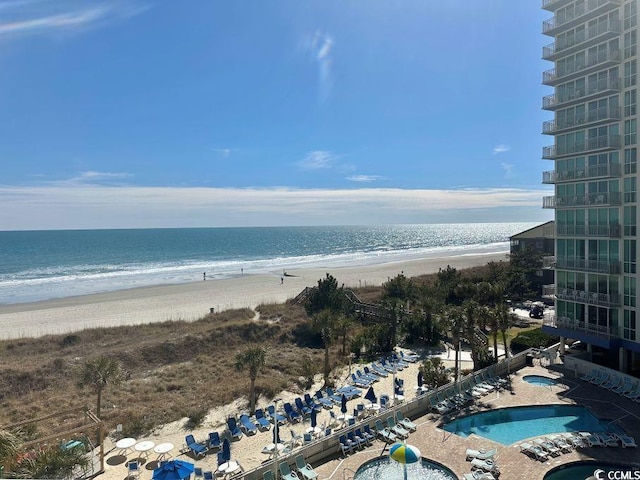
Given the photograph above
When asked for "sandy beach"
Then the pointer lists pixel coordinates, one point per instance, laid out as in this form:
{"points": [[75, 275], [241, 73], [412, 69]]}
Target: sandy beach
{"points": [[191, 301]]}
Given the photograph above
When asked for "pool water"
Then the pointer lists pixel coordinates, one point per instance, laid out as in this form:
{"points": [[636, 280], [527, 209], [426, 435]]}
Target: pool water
{"points": [[539, 380], [383, 468], [510, 425], [579, 470]]}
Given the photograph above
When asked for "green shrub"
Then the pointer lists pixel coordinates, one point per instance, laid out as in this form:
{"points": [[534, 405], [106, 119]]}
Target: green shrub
{"points": [[532, 339]]}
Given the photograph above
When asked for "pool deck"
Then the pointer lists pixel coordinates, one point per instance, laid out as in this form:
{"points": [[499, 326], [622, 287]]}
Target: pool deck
{"points": [[449, 449]]}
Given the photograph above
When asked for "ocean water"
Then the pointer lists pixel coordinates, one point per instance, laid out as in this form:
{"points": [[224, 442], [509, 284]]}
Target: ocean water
{"points": [[42, 265]]}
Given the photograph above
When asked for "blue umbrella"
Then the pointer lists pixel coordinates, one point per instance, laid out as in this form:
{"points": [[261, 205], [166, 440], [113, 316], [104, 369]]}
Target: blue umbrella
{"points": [[420, 379], [276, 437], [226, 449], [371, 395], [397, 390], [173, 470], [314, 420], [343, 407]]}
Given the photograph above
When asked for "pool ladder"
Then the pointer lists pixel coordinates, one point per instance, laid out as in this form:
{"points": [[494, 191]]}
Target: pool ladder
{"points": [[350, 472]]}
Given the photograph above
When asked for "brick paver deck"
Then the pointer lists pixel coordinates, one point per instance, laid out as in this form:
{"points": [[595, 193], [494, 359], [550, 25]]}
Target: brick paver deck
{"points": [[449, 449]]}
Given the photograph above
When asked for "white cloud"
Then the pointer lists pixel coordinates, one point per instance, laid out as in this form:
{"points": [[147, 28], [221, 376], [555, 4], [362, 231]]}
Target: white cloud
{"points": [[106, 206], [225, 152], [364, 178], [508, 170], [316, 160], [319, 45], [501, 148]]}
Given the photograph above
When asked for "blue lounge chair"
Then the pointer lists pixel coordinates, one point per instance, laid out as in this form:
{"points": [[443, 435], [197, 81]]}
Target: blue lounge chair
{"points": [[214, 441], [286, 473], [305, 469], [303, 409], [311, 404], [367, 376], [337, 399], [291, 414], [368, 434], [356, 442], [197, 449], [262, 421], [397, 429], [234, 430], [324, 401], [226, 450], [247, 425], [207, 475], [345, 445], [133, 469], [361, 437], [405, 422], [362, 383], [379, 370], [275, 416]]}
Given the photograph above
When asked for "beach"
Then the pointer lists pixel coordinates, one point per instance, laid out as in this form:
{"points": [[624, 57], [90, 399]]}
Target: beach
{"points": [[192, 301]]}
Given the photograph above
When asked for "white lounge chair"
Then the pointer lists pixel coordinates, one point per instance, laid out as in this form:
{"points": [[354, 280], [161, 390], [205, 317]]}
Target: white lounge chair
{"points": [[487, 465], [481, 454], [560, 442], [479, 475], [591, 439], [534, 450], [548, 446], [625, 439]]}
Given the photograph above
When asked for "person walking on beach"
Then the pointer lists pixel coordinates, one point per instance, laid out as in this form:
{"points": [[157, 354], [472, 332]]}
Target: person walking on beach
{"points": [[281, 280], [204, 276]]}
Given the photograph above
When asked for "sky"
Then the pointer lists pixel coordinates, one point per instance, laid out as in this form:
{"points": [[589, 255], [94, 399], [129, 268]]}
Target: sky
{"points": [[207, 113]]}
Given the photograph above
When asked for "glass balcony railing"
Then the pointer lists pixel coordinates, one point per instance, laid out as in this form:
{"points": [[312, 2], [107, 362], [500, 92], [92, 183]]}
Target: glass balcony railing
{"points": [[582, 296], [582, 39], [578, 201], [603, 114], [568, 17], [567, 323], [553, 5], [581, 67], [603, 142], [571, 96], [607, 267], [606, 170], [605, 231]]}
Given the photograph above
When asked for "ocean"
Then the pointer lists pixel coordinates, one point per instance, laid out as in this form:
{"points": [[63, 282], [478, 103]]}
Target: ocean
{"points": [[43, 265]]}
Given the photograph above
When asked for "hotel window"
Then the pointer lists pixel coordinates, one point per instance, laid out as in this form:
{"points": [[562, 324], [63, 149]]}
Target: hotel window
{"points": [[630, 132], [630, 15], [629, 291], [630, 73], [630, 189], [630, 221], [630, 103], [629, 325], [629, 256], [630, 160], [630, 42]]}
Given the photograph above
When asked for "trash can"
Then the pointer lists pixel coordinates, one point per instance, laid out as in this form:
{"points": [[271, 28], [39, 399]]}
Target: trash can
{"points": [[529, 360]]}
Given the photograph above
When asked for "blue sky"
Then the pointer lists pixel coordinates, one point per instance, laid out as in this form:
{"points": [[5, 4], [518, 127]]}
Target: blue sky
{"points": [[119, 114]]}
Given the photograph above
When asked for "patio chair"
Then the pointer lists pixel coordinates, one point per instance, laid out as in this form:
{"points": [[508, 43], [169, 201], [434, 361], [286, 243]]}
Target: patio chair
{"points": [[367, 376], [286, 473], [197, 473], [207, 475], [405, 422], [359, 382], [479, 475], [602, 379], [574, 439], [291, 414], [196, 449], [324, 401], [133, 469], [296, 439], [614, 381], [305, 469], [311, 403], [345, 445], [368, 434], [333, 420], [534, 451], [263, 423], [361, 437], [268, 475], [384, 433], [591, 439], [247, 425], [303, 409], [608, 439], [336, 399], [587, 377], [560, 442], [307, 438], [481, 454], [633, 393], [355, 441], [624, 387], [234, 430], [487, 465], [214, 441], [625, 439], [275, 416], [378, 370], [548, 446], [397, 429], [349, 391]]}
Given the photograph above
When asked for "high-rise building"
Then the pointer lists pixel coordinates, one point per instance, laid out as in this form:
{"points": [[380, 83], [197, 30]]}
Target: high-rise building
{"points": [[594, 154]]}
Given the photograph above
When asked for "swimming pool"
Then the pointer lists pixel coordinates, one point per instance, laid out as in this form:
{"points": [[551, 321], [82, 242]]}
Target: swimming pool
{"points": [[383, 468], [574, 470], [510, 425], [539, 380]]}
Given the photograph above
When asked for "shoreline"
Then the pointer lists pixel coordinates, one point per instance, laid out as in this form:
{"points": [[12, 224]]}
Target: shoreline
{"points": [[192, 301]]}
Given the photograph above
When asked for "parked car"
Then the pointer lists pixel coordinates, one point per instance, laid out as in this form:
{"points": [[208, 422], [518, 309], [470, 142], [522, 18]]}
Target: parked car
{"points": [[537, 311]]}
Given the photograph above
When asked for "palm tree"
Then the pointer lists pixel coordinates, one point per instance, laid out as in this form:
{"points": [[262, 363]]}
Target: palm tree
{"points": [[325, 323], [494, 326], [456, 323], [9, 445], [98, 373], [503, 319], [253, 359]]}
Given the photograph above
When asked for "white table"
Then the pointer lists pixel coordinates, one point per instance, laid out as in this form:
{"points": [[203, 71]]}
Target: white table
{"points": [[144, 447], [271, 449], [124, 445], [163, 450], [229, 467], [344, 418], [314, 431], [374, 407]]}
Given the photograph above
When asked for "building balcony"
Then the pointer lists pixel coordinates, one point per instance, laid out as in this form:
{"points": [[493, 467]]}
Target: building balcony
{"points": [[581, 201], [553, 5], [589, 118], [604, 231], [549, 291], [586, 265], [604, 142], [566, 323], [581, 296], [607, 170], [549, 262], [593, 89], [593, 63], [581, 13], [583, 39]]}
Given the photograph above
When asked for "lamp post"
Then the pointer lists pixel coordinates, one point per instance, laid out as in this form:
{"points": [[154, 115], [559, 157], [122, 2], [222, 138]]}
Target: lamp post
{"points": [[275, 438]]}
